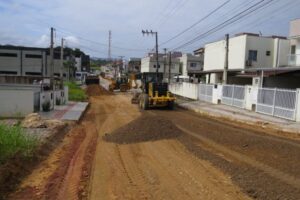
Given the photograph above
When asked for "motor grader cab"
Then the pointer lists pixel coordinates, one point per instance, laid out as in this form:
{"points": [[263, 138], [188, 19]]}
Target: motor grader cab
{"points": [[155, 93]]}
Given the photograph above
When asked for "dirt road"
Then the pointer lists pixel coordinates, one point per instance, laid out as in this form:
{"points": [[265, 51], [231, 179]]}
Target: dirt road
{"points": [[118, 152]]}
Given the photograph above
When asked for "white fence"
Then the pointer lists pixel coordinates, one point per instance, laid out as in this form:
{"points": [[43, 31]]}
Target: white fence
{"points": [[233, 95], [280, 103], [277, 102], [206, 92]]}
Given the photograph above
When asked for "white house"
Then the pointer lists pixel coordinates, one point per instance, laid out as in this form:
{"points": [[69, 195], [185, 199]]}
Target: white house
{"points": [[246, 51], [191, 64], [148, 64], [294, 55]]}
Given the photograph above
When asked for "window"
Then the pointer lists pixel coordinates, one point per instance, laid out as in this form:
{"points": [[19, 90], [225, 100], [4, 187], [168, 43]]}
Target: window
{"points": [[252, 56], [8, 72], [8, 55], [293, 49], [155, 66], [193, 65], [268, 53], [33, 73], [33, 56]]}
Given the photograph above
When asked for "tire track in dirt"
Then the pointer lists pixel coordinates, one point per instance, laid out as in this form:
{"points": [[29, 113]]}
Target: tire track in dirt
{"points": [[217, 148], [137, 168], [263, 165], [71, 183]]}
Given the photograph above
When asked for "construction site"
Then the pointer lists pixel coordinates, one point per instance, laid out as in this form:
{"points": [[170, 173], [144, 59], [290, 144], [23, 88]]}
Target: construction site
{"points": [[119, 150]]}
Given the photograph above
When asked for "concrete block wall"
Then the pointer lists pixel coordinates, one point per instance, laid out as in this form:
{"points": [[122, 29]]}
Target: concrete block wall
{"points": [[16, 103]]}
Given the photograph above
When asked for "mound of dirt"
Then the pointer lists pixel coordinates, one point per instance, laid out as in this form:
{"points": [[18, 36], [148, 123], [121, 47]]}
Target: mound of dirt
{"points": [[34, 120], [96, 90], [146, 128]]}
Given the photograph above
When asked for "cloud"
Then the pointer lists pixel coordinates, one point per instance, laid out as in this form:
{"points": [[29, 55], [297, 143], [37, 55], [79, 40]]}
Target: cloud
{"points": [[28, 22], [43, 41]]}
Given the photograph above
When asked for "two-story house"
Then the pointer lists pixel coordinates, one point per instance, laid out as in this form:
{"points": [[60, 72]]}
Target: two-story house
{"points": [[191, 65], [246, 52], [149, 64]]}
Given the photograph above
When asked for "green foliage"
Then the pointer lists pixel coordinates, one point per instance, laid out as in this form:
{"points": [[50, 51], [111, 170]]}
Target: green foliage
{"points": [[13, 140], [46, 106], [75, 92]]}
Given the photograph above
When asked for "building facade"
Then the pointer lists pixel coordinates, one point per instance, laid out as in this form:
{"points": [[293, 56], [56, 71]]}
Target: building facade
{"points": [[294, 55], [246, 51], [148, 64], [191, 64]]}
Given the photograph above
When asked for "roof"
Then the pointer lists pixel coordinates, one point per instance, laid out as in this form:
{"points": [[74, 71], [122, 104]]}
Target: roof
{"points": [[11, 47]]}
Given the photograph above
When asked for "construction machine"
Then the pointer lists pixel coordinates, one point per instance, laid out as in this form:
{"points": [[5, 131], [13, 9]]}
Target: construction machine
{"points": [[154, 92]]}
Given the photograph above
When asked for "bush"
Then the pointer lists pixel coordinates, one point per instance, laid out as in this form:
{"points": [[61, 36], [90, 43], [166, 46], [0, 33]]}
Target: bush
{"points": [[13, 140], [46, 106], [75, 92], [57, 101]]}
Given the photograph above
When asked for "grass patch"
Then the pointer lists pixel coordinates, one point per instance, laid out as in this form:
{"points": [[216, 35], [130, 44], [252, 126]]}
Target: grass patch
{"points": [[13, 140], [75, 92]]}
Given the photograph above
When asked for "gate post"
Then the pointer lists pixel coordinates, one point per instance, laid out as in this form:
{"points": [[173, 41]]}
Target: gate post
{"points": [[297, 106], [232, 94], [274, 101]]}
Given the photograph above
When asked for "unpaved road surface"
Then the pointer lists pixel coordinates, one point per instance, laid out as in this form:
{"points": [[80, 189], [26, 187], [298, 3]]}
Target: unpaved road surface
{"points": [[118, 152]]}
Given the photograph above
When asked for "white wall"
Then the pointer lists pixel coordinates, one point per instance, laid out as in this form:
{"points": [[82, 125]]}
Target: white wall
{"points": [[261, 45], [237, 53], [16, 103], [186, 61], [214, 57], [188, 90]]}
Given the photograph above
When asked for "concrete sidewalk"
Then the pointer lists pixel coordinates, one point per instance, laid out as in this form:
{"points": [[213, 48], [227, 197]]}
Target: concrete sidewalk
{"points": [[72, 111], [239, 115]]}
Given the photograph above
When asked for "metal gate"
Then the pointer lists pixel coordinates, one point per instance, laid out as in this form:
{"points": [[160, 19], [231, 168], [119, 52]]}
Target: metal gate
{"points": [[206, 92], [277, 102], [233, 95]]}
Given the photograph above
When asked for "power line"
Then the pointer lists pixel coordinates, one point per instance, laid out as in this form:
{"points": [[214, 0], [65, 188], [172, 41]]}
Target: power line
{"points": [[99, 43], [220, 18], [233, 19], [173, 12], [196, 23]]}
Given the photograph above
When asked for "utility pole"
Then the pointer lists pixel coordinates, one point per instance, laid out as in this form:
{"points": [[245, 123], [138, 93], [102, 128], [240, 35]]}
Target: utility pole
{"points": [[156, 48], [52, 63], [226, 59], [165, 61], [62, 58], [170, 64], [109, 45], [121, 64], [51, 54]]}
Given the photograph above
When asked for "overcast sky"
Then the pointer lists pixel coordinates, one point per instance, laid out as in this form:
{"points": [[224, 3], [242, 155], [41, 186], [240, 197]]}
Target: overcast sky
{"points": [[85, 23]]}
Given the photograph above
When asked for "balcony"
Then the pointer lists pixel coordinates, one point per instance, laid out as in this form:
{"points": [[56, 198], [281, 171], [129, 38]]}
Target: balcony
{"points": [[294, 60]]}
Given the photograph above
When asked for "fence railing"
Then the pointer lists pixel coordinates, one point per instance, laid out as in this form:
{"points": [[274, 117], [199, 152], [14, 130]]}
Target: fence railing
{"points": [[233, 95], [277, 102], [206, 92], [280, 103]]}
